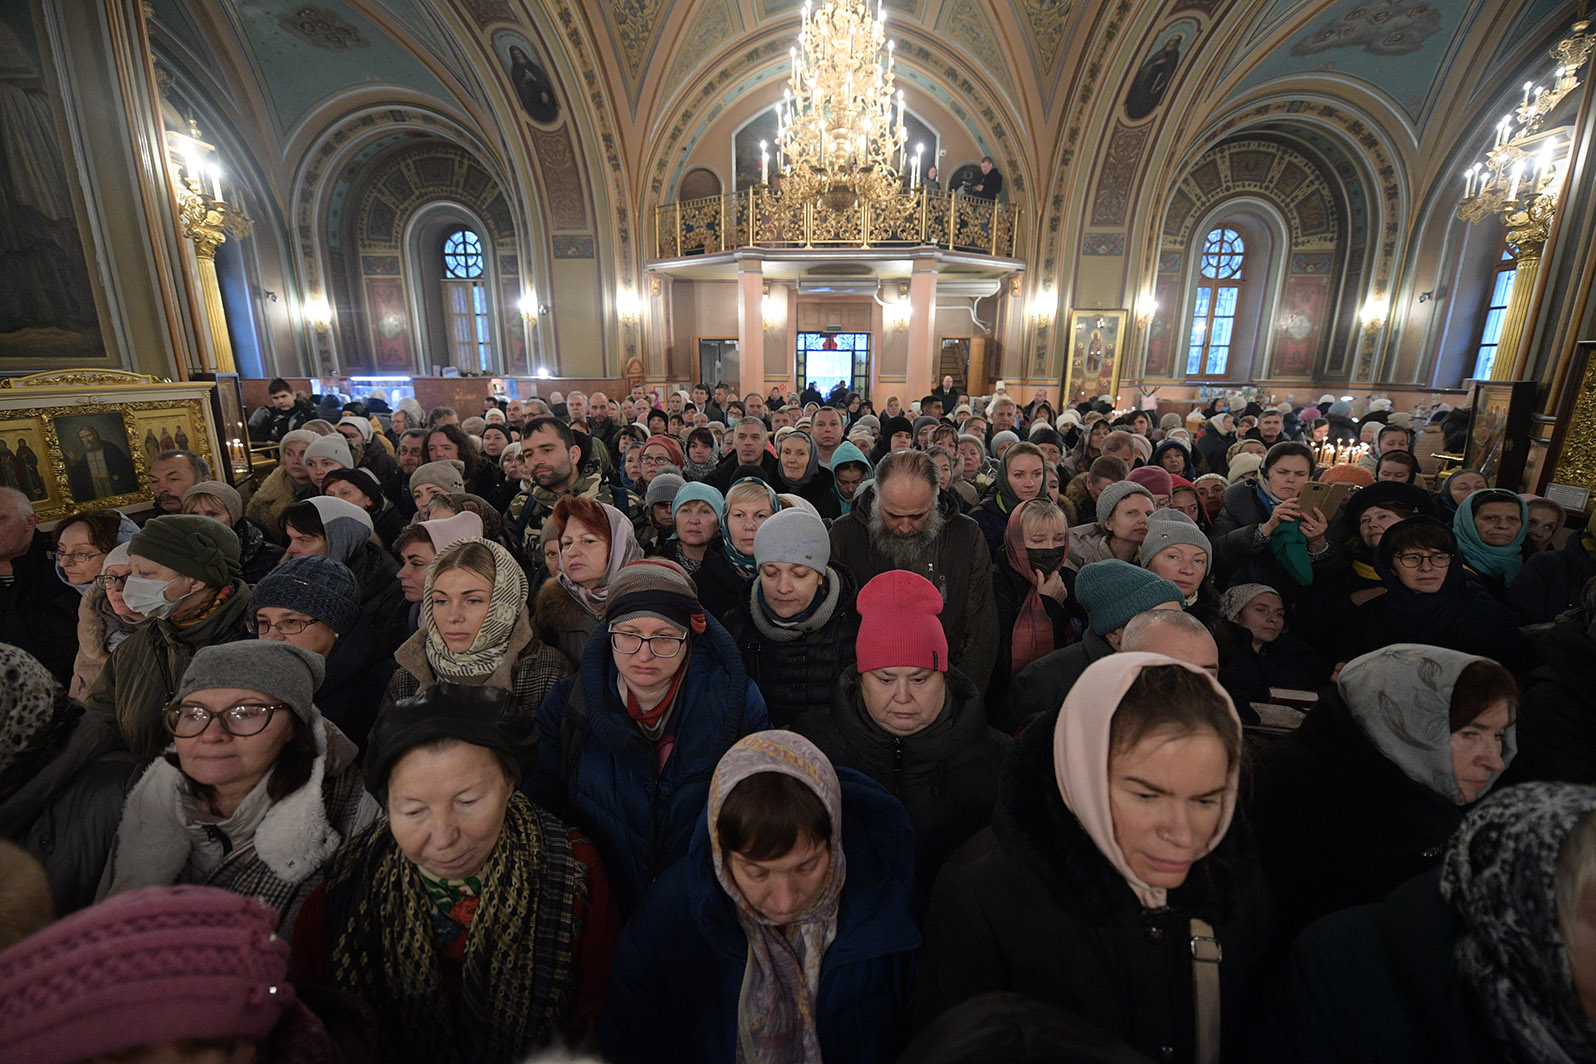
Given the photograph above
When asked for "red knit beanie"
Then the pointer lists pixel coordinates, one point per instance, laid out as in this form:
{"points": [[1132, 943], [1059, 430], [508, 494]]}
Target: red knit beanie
{"points": [[898, 625]]}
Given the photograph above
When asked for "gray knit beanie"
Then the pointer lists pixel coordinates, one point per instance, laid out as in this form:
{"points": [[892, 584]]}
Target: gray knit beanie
{"points": [[798, 537], [1167, 527], [1115, 494], [663, 488], [318, 587], [278, 670], [446, 473], [231, 501], [332, 446]]}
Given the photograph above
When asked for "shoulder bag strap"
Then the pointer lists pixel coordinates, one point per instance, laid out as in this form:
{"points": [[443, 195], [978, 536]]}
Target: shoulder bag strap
{"points": [[1206, 953]]}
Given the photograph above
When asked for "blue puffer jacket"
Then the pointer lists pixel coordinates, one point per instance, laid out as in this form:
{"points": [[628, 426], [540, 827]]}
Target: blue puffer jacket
{"points": [[678, 971], [595, 767]]}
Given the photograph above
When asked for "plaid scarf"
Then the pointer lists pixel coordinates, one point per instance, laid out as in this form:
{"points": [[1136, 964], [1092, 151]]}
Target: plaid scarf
{"points": [[518, 971]]}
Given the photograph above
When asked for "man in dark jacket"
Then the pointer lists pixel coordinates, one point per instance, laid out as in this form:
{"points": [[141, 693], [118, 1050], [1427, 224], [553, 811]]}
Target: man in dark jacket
{"points": [[38, 612], [904, 522], [283, 413], [912, 724], [749, 457]]}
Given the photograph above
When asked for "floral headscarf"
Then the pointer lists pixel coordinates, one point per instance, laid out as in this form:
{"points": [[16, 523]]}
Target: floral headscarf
{"points": [[781, 979], [506, 605]]}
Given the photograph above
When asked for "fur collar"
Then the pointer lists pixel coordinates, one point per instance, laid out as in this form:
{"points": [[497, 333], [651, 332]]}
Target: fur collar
{"points": [[1033, 823], [293, 839]]}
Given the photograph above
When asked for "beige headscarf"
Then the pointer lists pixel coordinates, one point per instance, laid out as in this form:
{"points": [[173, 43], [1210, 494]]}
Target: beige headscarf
{"points": [[1080, 756]]}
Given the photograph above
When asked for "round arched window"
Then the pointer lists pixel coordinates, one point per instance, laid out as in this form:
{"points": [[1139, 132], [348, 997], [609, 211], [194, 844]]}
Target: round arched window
{"points": [[1223, 253], [462, 255]]}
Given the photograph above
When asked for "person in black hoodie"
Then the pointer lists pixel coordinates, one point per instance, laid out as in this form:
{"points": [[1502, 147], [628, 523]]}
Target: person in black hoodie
{"points": [[1112, 873], [799, 472], [795, 625], [907, 720], [1261, 654]]}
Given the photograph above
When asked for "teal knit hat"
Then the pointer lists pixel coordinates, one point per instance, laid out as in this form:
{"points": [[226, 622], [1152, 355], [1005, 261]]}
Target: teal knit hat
{"points": [[1113, 592]]}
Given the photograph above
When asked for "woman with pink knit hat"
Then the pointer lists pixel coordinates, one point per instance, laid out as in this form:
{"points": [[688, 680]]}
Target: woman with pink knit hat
{"points": [[1109, 883]]}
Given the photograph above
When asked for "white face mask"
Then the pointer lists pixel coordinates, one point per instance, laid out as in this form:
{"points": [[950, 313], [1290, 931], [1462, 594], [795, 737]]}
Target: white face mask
{"points": [[147, 596]]}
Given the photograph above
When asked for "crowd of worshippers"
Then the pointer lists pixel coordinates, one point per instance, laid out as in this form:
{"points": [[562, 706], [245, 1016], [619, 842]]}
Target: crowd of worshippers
{"points": [[701, 728]]}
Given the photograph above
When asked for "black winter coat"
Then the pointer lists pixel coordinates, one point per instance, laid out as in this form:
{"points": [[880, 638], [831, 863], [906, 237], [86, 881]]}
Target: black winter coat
{"points": [[1032, 905], [946, 774], [357, 672], [721, 589], [1009, 589], [730, 471], [1287, 662], [1378, 984], [1238, 561], [796, 672], [1337, 822], [820, 491], [67, 810], [1041, 686], [960, 567], [1552, 581], [1557, 717], [38, 612]]}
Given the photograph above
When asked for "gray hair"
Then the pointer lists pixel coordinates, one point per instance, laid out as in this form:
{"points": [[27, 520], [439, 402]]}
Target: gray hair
{"points": [[908, 464], [200, 467], [1142, 628], [20, 504]]}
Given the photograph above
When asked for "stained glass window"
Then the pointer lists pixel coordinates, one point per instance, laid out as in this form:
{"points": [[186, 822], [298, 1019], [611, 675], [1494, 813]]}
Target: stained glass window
{"points": [[1223, 254], [462, 255]]}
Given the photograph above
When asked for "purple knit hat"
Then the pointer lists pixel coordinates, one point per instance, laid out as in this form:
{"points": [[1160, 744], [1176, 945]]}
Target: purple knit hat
{"points": [[151, 965]]}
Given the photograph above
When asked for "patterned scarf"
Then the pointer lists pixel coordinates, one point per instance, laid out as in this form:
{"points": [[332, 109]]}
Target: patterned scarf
{"points": [[505, 605], [1033, 628], [195, 615], [776, 1008], [518, 972], [624, 550], [745, 564], [1499, 873]]}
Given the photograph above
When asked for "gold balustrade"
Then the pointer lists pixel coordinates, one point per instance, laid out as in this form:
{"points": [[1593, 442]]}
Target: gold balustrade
{"points": [[759, 217]]}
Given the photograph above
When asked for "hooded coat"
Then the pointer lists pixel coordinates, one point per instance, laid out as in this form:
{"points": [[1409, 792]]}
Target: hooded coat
{"points": [[1212, 445], [795, 667], [678, 973], [960, 567], [946, 774], [817, 488], [1339, 820], [844, 454], [596, 768], [1031, 904]]}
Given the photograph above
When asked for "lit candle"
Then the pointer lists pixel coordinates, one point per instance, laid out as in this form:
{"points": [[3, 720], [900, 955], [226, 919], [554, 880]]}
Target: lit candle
{"points": [[915, 180], [764, 164], [216, 181], [1512, 188], [1527, 86]]}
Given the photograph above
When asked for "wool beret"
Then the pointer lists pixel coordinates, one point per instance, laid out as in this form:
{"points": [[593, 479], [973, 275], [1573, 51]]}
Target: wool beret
{"points": [[446, 473], [194, 546], [360, 425], [1154, 478]]}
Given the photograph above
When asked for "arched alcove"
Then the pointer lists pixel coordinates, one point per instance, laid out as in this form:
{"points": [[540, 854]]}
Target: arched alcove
{"points": [[439, 295], [699, 183]]}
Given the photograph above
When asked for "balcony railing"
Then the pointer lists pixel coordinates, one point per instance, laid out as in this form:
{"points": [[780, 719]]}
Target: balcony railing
{"points": [[758, 217]]}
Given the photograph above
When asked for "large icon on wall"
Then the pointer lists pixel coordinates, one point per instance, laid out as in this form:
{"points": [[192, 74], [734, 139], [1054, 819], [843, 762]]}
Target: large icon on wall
{"points": [[532, 84], [1157, 71], [99, 462], [1096, 341]]}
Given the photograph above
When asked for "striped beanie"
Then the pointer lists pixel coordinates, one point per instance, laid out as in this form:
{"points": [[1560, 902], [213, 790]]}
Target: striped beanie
{"points": [[658, 588]]}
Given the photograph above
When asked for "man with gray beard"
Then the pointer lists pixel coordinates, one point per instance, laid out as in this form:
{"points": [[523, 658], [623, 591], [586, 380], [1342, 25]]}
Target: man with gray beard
{"points": [[903, 521]]}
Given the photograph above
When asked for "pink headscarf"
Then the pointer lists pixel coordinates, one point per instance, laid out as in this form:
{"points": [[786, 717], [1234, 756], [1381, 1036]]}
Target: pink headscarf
{"points": [[1080, 757]]}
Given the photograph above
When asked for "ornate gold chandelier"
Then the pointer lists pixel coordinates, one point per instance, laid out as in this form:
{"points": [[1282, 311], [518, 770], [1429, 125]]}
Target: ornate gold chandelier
{"points": [[838, 137], [1521, 176]]}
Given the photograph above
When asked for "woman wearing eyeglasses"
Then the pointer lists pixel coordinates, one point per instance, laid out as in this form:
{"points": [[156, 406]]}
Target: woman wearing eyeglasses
{"points": [[255, 791], [1428, 599], [629, 743]]}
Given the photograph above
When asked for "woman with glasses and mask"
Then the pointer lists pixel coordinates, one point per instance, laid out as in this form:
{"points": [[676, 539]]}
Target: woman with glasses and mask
{"points": [[184, 578], [628, 743], [255, 791], [1429, 599]]}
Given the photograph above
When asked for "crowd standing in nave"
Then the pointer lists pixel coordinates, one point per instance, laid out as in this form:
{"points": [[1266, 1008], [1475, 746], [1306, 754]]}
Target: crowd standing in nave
{"points": [[690, 727]]}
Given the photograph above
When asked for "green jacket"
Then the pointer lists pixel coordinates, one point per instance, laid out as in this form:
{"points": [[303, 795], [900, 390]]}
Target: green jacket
{"points": [[143, 672]]}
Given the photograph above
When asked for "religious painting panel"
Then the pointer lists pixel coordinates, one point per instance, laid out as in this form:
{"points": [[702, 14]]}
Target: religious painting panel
{"points": [[1157, 70], [48, 312], [25, 463], [529, 78], [1568, 474], [1096, 340], [98, 458], [389, 338], [1301, 318], [1499, 430], [1160, 363]]}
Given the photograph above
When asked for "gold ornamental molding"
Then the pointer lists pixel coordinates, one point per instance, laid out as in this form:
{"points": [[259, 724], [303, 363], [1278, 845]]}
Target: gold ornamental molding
{"points": [[73, 378]]}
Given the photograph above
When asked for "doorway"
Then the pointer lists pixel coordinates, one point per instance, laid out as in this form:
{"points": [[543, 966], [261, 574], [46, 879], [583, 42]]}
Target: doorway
{"points": [[824, 358]]}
